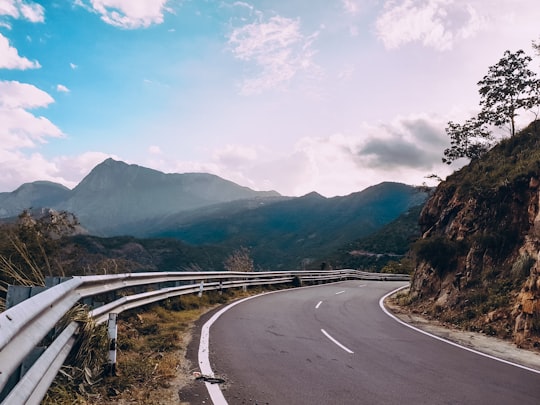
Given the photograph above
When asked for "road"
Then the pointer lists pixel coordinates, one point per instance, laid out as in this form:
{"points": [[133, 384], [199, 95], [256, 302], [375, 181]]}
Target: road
{"points": [[333, 344]]}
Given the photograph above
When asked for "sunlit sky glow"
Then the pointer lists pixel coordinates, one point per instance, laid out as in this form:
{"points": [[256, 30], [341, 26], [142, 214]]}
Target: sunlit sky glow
{"points": [[296, 96]]}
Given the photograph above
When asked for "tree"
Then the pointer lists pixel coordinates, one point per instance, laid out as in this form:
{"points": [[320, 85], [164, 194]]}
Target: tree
{"points": [[508, 87], [239, 260], [470, 140]]}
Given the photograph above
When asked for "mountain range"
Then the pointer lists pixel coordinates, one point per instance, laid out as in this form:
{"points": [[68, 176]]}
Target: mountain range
{"points": [[200, 209], [115, 194]]}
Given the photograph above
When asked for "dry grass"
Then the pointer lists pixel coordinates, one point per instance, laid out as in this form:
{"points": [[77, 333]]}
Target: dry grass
{"points": [[152, 365]]}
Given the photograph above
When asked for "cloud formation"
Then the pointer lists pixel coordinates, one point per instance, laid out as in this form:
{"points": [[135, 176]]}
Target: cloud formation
{"points": [[350, 6], [128, 14], [433, 23], [62, 89], [404, 150], [277, 47], [10, 59], [21, 130], [27, 10], [18, 127], [412, 142]]}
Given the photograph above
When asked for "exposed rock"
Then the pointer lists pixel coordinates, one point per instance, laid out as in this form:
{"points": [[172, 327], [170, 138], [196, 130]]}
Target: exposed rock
{"points": [[477, 264]]}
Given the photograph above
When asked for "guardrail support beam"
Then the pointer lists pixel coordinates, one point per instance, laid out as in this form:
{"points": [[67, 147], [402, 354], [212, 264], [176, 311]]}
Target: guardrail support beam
{"points": [[201, 288], [112, 331]]}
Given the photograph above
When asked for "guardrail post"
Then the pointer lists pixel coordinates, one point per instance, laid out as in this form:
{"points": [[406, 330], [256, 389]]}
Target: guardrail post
{"points": [[220, 287], [201, 287], [112, 331]]}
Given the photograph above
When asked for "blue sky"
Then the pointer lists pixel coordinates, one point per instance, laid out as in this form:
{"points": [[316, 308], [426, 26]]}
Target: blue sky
{"points": [[297, 96]]}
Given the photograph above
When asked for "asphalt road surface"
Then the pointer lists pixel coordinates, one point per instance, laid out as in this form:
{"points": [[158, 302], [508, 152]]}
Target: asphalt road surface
{"points": [[332, 344]]}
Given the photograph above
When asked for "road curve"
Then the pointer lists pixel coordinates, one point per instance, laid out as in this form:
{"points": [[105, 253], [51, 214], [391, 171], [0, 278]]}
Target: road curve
{"points": [[333, 344]]}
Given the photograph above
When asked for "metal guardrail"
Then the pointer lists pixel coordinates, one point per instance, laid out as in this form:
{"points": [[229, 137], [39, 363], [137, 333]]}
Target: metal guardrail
{"points": [[23, 326]]}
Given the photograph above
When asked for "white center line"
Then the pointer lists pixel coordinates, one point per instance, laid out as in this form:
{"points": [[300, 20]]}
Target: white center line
{"points": [[340, 292], [325, 333], [318, 305]]}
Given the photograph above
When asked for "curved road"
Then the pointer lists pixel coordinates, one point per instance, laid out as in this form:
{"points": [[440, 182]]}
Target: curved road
{"points": [[333, 344]]}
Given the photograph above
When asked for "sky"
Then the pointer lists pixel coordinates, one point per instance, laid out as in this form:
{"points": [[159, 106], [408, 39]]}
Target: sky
{"points": [[331, 96]]}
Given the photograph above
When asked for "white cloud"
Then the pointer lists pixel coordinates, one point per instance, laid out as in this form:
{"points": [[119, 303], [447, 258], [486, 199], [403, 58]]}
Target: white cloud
{"points": [[18, 168], [405, 150], [351, 6], [243, 4], [14, 94], [18, 127], [278, 49], [8, 8], [33, 12], [28, 10], [235, 156], [73, 65], [10, 59], [62, 89], [433, 23], [155, 150], [72, 169], [128, 14]]}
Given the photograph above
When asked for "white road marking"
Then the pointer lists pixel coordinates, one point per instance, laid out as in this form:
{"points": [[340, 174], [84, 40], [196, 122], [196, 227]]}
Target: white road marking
{"points": [[318, 305], [340, 292], [325, 333], [362, 285], [381, 304], [214, 390]]}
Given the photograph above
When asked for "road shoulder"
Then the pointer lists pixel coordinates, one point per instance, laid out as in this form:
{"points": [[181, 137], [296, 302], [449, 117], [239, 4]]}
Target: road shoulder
{"points": [[477, 341]]}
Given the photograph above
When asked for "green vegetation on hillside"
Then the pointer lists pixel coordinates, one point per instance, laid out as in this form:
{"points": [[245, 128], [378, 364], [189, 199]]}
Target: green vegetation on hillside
{"points": [[387, 246], [513, 160]]}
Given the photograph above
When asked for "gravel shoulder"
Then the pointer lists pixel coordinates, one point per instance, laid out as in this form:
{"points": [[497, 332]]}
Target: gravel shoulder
{"points": [[483, 343]]}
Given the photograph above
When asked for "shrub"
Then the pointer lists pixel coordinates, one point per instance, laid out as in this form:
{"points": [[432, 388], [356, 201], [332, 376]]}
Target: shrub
{"points": [[440, 252]]}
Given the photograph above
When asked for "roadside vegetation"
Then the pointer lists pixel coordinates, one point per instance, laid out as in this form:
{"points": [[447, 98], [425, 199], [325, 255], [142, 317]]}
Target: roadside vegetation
{"points": [[151, 350], [152, 367]]}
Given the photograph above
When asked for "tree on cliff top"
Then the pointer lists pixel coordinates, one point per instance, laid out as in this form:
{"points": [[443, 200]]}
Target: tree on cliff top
{"points": [[509, 86]]}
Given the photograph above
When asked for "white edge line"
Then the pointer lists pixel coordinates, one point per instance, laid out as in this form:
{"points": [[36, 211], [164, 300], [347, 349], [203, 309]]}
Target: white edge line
{"points": [[325, 333], [340, 292], [489, 356], [214, 390]]}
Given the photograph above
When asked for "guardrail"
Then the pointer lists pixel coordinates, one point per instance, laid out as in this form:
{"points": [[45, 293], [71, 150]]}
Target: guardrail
{"points": [[23, 326]]}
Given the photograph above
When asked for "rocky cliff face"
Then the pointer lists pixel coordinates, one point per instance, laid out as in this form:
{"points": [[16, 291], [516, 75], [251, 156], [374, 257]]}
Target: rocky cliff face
{"points": [[477, 264]]}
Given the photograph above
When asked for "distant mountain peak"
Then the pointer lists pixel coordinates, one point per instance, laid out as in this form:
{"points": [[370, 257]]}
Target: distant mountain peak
{"points": [[313, 195]]}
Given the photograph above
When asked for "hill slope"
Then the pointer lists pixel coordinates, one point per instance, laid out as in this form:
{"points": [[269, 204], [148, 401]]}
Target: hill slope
{"points": [[373, 252], [37, 195], [298, 231], [477, 263]]}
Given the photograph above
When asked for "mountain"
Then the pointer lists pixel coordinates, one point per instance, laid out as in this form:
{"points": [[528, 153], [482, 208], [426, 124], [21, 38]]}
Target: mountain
{"points": [[296, 232], [208, 212], [477, 263], [37, 195], [115, 195], [391, 242]]}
